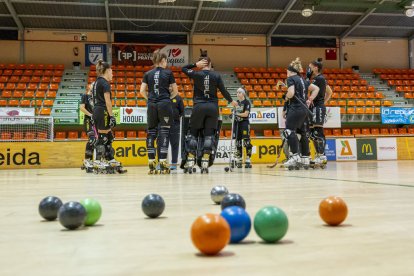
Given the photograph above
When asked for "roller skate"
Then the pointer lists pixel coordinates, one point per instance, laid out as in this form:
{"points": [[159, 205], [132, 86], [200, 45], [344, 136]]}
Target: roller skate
{"points": [[87, 165], [173, 167], [117, 166], [293, 162], [205, 162], [189, 165], [248, 163], [164, 168], [305, 162], [320, 162], [152, 164], [102, 167]]}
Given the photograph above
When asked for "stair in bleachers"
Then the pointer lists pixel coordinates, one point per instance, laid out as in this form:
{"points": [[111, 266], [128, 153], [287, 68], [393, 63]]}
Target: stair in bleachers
{"points": [[66, 106], [388, 92], [231, 82]]}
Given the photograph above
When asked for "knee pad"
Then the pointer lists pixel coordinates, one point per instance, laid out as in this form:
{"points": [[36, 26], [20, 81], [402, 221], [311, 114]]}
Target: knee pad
{"points": [[191, 143], [247, 144], [209, 145], [163, 139], [151, 137], [91, 138], [111, 137], [288, 133]]}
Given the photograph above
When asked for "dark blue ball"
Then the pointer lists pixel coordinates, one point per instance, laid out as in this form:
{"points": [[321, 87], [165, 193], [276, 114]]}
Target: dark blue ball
{"points": [[239, 221]]}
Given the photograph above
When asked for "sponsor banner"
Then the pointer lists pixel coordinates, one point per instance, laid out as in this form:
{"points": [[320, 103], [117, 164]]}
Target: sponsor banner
{"points": [[129, 54], [367, 149], [131, 153], [115, 111], [346, 150], [397, 115], [133, 115], [333, 118], [41, 155], [263, 116], [405, 148], [13, 115], [266, 150], [330, 150], [387, 148], [93, 53]]}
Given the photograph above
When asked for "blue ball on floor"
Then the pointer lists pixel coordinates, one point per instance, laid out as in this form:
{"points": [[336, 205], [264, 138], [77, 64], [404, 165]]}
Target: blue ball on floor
{"points": [[239, 221]]}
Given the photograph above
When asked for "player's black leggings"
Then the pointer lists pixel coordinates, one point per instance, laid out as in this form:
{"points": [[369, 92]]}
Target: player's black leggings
{"points": [[204, 118]]}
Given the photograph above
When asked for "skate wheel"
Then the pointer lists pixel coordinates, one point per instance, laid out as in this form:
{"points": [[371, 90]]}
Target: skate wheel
{"points": [[194, 170], [226, 169], [306, 167], [297, 168], [290, 168], [82, 168], [190, 171]]}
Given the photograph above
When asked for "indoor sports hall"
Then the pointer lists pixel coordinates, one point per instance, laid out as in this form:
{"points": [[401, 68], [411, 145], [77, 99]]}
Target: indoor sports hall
{"points": [[82, 195]]}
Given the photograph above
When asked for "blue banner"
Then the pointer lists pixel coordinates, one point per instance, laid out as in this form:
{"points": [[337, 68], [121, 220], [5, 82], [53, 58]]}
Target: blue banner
{"points": [[93, 53], [397, 115], [330, 150]]}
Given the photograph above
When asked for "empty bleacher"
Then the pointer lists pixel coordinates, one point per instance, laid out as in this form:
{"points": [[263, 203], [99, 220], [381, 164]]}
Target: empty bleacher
{"points": [[30, 85]]}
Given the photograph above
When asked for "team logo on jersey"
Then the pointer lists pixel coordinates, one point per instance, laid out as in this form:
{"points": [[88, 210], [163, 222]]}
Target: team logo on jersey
{"points": [[166, 119]]}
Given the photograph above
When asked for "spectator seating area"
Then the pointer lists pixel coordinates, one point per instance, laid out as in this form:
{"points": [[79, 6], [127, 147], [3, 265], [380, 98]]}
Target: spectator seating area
{"points": [[402, 80], [30, 85]]}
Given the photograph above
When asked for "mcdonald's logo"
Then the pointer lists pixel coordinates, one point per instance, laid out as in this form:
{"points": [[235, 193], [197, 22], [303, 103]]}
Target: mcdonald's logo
{"points": [[367, 149], [346, 148]]}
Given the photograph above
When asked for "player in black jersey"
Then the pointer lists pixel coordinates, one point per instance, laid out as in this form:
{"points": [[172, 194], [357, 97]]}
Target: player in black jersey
{"points": [[86, 107], [205, 114], [242, 129], [159, 112], [296, 116], [318, 106], [104, 120]]}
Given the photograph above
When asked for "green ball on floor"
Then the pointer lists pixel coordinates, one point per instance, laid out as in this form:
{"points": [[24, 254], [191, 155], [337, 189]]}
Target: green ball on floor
{"points": [[93, 211], [271, 224]]}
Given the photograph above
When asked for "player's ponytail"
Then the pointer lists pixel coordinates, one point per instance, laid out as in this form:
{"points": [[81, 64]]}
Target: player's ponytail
{"points": [[101, 67], [318, 63], [204, 55], [296, 66], [157, 57]]}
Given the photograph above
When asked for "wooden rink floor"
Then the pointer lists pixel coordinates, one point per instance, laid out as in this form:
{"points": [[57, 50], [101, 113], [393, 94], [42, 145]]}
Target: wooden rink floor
{"points": [[376, 239]]}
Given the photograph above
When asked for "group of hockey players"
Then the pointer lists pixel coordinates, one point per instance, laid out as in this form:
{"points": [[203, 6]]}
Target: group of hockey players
{"points": [[304, 110]]}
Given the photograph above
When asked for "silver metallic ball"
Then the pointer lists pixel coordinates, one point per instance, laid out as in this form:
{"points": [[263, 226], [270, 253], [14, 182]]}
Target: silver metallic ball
{"points": [[218, 193]]}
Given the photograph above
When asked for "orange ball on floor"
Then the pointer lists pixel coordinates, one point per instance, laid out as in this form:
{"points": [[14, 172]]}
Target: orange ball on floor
{"points": [[210, 233], [333, 210]]}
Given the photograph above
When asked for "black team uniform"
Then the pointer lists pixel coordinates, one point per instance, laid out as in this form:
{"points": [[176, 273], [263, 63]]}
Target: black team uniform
{"points": [[297, 114], [102, 120], [204, 116], [87, 100], [159, 114], [318, 120], [242, 134]]}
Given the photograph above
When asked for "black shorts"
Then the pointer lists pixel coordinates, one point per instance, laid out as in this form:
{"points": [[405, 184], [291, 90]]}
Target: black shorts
{"points": [[204, 116], [295, 118], [159, 114], [319, 115], [242, 130], [87, 124], [101, 118]]}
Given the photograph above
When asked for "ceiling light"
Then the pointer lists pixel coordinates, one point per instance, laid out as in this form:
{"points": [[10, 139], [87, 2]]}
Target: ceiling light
{"points": [[165, 1], [307, 10]]}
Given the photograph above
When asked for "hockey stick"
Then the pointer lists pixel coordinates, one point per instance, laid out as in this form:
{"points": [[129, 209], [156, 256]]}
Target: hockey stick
{"points": [[278, 155], [229, 168]]}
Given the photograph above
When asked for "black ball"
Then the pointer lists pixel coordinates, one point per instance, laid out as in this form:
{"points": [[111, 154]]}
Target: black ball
{"points": [[233, 200], [153, 205], [72, 215], [49, 207]]}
